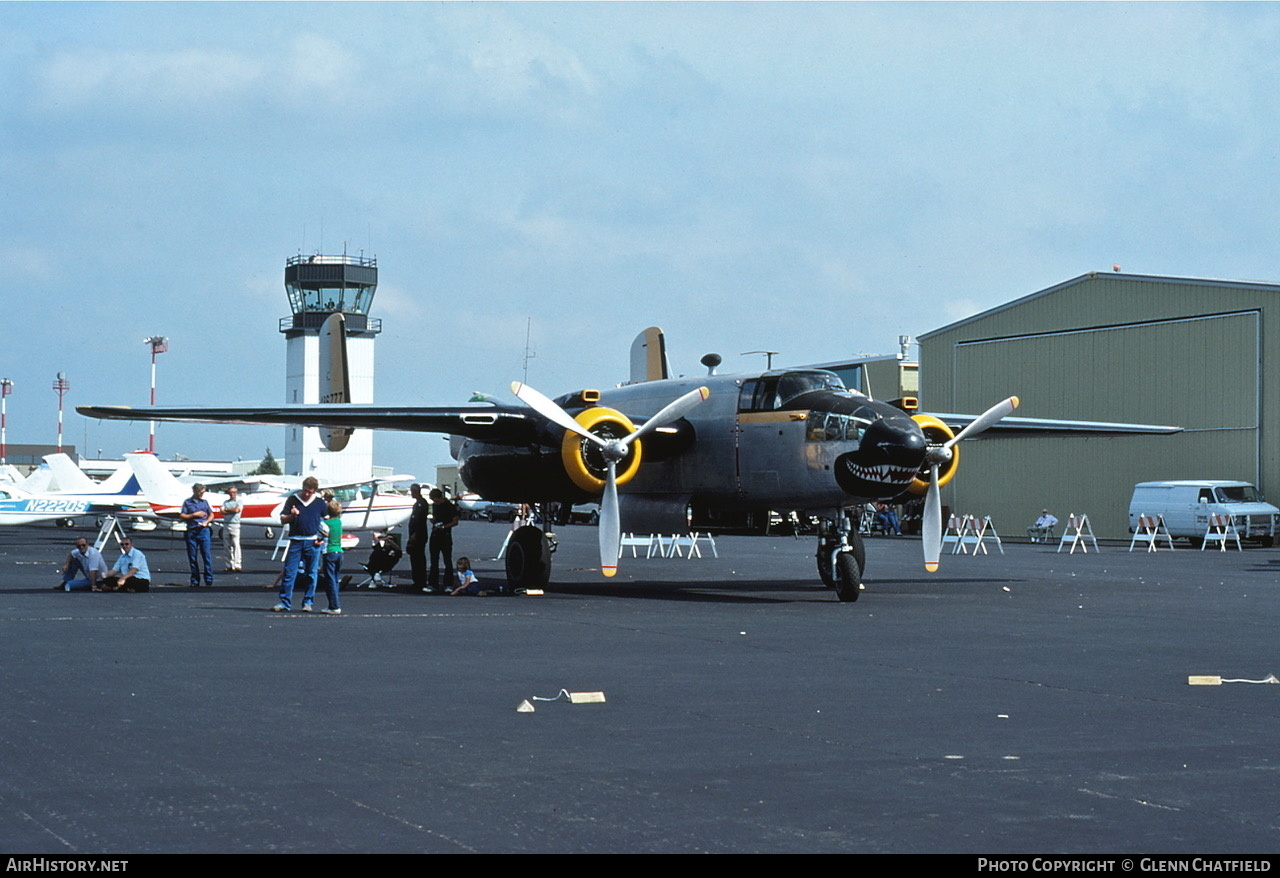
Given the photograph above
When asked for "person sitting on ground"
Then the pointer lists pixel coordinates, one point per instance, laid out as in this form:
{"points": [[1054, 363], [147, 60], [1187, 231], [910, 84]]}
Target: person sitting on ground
{"points": [[130, 572], [84, 568], [467, 582], [1043, 528]]}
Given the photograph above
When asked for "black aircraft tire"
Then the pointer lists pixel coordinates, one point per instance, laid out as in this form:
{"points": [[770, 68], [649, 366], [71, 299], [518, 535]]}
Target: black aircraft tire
{"points": [[528, 558], [824, 559], [850, 577]]}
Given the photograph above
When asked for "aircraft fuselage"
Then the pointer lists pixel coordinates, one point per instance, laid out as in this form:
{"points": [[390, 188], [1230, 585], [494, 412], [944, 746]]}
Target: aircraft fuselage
{"points": [[779, 440]]}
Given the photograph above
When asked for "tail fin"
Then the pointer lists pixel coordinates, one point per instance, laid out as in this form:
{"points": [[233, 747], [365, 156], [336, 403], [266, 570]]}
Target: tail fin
{"points": [[337, 379], [649, 356], [159, 486], [69, 477], [119, 482], [38, 480]]}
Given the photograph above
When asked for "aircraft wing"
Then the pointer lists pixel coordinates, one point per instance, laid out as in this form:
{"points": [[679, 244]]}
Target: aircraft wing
{"points": [[1011, 426], [487, 422]]}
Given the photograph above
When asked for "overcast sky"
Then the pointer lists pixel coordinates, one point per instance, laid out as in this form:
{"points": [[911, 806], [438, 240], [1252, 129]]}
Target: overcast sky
{"points": [[814, 179]]}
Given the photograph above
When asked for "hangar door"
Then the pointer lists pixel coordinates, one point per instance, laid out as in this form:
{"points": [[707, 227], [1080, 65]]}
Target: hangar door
{"points": [[1201, 373]]}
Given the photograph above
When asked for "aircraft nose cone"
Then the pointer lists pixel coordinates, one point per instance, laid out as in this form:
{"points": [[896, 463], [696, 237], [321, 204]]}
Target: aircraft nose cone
{"points": [[896, 441], [887, 459]]}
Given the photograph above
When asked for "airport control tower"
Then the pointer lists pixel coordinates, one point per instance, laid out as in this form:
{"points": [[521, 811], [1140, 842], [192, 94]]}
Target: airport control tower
{"points": [[320, 287]]}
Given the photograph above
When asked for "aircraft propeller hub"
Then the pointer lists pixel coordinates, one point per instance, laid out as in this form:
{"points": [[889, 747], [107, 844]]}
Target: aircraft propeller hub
{"points": [[615, 450], [937, 455]]}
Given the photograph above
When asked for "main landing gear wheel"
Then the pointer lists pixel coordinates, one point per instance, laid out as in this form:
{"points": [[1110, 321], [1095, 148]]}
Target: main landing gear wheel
{"points": [[849, 577], [528, 558]]}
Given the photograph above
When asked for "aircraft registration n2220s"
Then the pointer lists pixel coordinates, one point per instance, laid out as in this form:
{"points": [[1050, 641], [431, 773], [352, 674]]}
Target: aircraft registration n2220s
{"points": [[655, 448]]}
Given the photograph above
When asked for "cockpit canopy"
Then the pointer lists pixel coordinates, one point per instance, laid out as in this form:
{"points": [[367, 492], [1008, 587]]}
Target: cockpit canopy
{"points": [[775, 391]]}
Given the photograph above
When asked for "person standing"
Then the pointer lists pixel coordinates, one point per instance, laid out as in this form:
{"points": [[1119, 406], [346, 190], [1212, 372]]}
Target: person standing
{"points": [[444, 518], [131, 572], [303, 512], [231, 508], [84, 568], [332, 565], [198, 515], [419, 523]]}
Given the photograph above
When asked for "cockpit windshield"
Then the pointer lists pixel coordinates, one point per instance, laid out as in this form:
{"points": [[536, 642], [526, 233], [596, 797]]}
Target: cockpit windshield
{"points": [[771, 392], [793, 384]]}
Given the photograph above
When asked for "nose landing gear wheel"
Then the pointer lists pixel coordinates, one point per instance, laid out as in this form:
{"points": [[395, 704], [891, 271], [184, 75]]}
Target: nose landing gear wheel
{"points": [[825, 572], [848, 577]]}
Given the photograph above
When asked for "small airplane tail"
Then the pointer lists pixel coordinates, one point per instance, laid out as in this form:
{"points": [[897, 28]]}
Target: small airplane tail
{"points": [[122, 481], [69, 478], [38, 480], [159, 486], [649, 356]]}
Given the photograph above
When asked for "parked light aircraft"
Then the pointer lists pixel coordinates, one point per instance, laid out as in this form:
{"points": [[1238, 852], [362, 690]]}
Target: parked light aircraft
{"points": [[77, 495], [653, 449], [364, 507]]}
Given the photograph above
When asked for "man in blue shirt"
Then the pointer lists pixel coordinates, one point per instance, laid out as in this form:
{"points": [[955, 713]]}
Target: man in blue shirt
{"points": [[130, 572], [303, 512], [198, 515]]}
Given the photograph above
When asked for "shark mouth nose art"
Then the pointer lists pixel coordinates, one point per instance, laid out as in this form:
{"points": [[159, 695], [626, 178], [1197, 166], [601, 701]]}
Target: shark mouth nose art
{"points": [[881, 472]]}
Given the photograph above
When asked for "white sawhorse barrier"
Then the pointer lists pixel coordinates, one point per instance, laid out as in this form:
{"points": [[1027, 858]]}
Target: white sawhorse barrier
{"points": [[651, 543], [674, 546], [952, 533], [1078, 533], [985, 531], [965, 531], [1150, 529], [1221, 529]]}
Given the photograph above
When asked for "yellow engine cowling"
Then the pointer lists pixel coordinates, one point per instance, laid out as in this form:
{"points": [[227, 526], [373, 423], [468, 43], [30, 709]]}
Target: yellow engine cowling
{"points": [[584, 463], [937, 433]]}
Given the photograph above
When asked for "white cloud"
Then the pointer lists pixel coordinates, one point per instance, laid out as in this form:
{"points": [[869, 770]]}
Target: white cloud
{"points": [[188, 76]]}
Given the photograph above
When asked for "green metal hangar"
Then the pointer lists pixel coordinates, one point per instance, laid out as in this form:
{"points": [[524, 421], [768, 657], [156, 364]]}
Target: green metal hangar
{"points": [[1111, 347]]}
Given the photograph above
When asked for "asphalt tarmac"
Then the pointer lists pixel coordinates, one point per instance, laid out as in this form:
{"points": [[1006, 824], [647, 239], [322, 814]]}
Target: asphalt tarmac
{"points": [[1029, 702]]}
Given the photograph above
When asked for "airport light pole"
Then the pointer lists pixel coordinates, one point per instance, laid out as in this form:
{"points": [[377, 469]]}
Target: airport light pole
{"points": [[6, 388], [61, 385], [159, 344]]}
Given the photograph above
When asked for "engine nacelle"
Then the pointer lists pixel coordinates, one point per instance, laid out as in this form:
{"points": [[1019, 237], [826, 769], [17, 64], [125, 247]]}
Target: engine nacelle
{"points": [[583, 462], [937, 433]]}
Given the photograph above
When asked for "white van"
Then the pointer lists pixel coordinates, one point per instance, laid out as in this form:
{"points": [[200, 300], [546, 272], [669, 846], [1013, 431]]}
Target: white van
{"points": [[1187, 505]]}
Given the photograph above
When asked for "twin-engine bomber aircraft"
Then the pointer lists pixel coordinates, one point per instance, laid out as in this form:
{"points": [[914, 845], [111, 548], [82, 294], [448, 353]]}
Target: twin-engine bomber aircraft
{"points": [[655, 449]]}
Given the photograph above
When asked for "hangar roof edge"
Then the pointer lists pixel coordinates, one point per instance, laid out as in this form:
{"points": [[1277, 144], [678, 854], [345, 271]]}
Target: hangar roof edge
{"points": [[1092, 275]]}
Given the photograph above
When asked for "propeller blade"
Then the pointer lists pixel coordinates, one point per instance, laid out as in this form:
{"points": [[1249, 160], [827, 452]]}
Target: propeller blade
{"points": [[931, 527], [549, 410], [985, 420], [610, 525], [671, 412]]}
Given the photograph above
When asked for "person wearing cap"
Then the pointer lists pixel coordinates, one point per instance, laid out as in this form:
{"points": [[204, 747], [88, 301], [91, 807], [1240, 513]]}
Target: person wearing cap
{"points": [[198, 515], [1042, 530]]}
